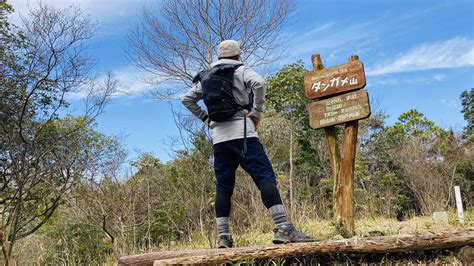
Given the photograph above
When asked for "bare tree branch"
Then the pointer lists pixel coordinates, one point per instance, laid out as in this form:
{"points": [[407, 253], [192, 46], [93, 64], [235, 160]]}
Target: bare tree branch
{"points": [[183, 39]]}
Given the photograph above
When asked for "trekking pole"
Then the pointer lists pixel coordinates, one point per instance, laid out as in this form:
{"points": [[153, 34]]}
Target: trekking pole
{"points": [[245, 137]]}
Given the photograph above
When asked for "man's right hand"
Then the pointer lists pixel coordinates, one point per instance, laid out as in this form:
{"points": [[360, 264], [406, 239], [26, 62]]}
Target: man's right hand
{"points": [[207, 121], [255, 119]]}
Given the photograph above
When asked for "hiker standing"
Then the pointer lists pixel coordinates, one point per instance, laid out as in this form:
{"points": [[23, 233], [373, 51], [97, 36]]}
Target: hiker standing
{"points": [[234, 95]]}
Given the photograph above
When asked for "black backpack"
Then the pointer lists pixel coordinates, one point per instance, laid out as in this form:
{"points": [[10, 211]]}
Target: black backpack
{"points": [[217, 85]]}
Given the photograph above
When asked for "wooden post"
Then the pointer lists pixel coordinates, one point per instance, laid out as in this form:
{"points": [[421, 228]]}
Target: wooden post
{"points": [[345, 186], [457, 194], [331, 140], [334, 160], [345, 190], [317, 62]]}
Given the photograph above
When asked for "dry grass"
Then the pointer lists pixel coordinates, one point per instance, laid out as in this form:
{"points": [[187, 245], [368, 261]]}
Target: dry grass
{"points": [[323, 230]]}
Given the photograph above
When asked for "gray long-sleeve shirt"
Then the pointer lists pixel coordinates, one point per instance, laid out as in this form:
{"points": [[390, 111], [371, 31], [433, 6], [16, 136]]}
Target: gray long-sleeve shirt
{"points": [[245, 79]]}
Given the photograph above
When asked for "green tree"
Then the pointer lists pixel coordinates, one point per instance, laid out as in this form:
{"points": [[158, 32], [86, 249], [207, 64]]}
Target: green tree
{"points": [[381, 188], [466, 168], [419, 149], [306, 152], [72, 241], [467, 101], [146, 163], [42, 154], [285, 92], [414, 124]]}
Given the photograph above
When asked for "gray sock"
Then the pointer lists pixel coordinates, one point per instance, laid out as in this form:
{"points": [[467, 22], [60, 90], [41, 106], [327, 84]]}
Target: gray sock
{"points": [[279, 215], [223, 225]]}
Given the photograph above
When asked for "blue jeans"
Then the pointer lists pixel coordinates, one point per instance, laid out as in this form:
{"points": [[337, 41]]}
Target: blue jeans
{"points": [[228, 156]]}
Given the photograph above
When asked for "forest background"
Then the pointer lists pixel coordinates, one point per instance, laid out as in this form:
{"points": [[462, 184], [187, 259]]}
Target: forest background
{"points": [[65, 197]]}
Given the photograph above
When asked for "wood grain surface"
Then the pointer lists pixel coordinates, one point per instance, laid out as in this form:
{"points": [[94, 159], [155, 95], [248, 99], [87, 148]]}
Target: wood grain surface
{"points": [[334, 80], [339, 109]]}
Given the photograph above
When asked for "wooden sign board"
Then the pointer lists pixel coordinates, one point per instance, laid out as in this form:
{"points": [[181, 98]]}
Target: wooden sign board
{"points": [[339, 109], [334, 80]]}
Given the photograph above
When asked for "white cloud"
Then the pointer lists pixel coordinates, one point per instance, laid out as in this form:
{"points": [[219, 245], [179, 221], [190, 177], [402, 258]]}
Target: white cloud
{"points": [[331, 36], [439, 77], [392, 81], [317, 30], [449, 103], [407, 78], [347, 36], [103, 11], [103, 8], [131, 82], [456, 52]]}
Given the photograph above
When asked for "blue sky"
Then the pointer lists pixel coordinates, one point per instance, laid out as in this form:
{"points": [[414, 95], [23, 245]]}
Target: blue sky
{"points": [[417, 54]]}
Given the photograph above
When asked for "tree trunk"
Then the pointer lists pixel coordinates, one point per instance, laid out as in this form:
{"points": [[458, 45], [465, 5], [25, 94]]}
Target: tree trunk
{"points": [[291, 172], [15, 217], [148, 210], [3, 242], [448, 238]]}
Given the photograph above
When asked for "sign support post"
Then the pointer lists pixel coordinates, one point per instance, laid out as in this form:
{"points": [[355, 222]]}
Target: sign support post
{"points": [[345, 189], [331, 140]]}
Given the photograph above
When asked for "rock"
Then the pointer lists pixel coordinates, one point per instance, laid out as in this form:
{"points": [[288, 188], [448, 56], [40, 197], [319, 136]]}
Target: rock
{"points": [[376, 233], [466, 254], [440, 217]]}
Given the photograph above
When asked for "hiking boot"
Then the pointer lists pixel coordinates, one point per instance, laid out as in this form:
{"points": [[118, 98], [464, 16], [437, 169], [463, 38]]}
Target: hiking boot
{"points": [[289, 234], [225, 241]]}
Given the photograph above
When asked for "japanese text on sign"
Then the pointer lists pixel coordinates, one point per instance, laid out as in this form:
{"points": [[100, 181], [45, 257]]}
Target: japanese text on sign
{"points": [[339, 109], [336, 81]]}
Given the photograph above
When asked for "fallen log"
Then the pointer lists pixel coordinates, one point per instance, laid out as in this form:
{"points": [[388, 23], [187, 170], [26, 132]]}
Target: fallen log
{"points": [[448, 238]]}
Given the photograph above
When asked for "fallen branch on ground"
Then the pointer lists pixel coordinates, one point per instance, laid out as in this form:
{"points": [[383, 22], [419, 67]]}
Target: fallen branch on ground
{"points": [[448, 238]]}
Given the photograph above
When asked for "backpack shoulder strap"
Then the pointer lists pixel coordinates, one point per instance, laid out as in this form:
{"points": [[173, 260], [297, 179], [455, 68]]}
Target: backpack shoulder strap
{"points": [[227, 65], [250, 95], [199, 76], [237, 66]]}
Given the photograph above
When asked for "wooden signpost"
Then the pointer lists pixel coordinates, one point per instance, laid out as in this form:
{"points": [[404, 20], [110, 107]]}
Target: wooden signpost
{"points": [[341, 104], [347, 77]]}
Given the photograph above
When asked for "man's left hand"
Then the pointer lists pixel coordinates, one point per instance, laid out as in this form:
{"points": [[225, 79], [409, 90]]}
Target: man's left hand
{"points": [[255, 119]]}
